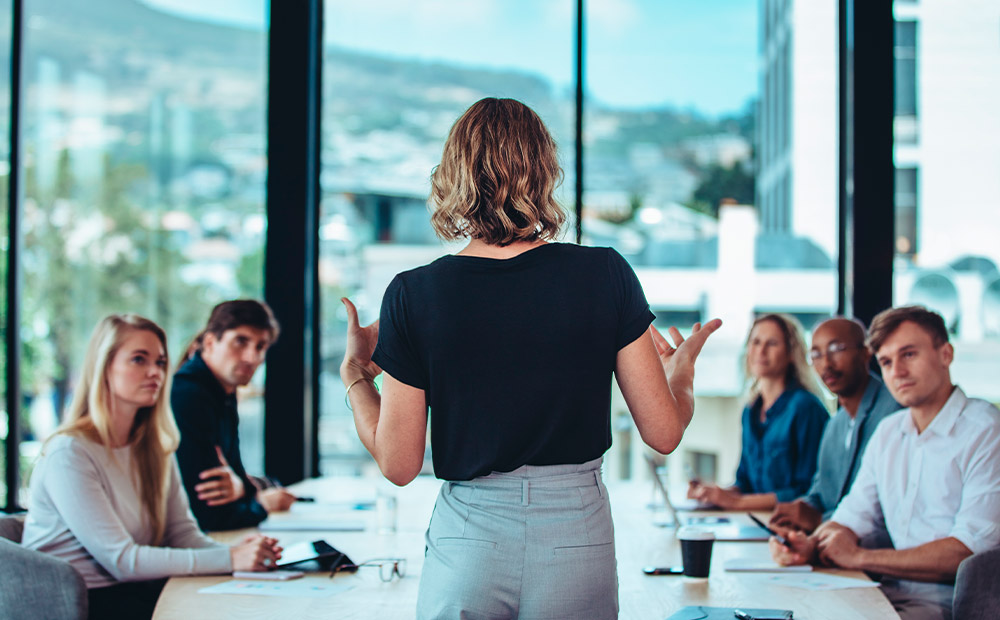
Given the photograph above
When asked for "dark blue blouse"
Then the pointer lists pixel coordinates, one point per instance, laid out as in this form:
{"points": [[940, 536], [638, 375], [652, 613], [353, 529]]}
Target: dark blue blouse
{"points": [[779, 454]]}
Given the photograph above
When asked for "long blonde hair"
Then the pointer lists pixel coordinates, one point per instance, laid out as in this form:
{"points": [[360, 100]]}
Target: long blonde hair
{"points": [[154, 435], [798, 371]]}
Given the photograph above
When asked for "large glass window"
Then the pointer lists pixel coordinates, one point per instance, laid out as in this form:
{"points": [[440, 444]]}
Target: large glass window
{"points": [[397, 74], [947, 187], [711, 165], [143, 133]]}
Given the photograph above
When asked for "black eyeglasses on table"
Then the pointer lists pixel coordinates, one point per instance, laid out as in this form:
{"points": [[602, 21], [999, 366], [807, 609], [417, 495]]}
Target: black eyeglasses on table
{"points": [[387, 568]]}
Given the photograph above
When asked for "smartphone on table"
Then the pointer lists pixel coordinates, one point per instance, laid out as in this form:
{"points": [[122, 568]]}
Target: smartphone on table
{"points": [[763, 614], [663, 570]]}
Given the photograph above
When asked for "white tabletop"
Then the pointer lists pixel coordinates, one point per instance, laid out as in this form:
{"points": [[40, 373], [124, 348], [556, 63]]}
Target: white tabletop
{"points": [[639, 543]]}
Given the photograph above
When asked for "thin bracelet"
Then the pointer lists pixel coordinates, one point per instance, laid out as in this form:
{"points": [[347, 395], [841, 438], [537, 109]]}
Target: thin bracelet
{"points": [[347, 392]]}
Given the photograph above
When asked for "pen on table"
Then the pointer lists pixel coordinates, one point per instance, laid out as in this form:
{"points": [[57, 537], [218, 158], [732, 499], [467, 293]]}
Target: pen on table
{"points": [[266, 482], [781, 539]]}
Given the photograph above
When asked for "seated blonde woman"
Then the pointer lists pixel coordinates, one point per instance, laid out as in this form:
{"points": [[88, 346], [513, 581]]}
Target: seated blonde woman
{"points": [[106, 495]]}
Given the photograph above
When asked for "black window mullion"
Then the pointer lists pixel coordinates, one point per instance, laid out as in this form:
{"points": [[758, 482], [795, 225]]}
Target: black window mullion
{"points": [[579, 121], [866, 144], [291, 280], [13, 291]]}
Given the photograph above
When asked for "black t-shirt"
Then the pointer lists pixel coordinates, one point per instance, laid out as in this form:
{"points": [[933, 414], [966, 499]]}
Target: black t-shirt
{"points": [[515, 355]]}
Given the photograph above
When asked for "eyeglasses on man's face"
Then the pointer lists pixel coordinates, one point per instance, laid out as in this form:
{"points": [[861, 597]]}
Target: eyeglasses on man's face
{"points": [[387, 569], [832, 350]]}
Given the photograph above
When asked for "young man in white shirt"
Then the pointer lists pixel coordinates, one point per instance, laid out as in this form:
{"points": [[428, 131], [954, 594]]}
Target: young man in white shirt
{"points": [[930, 475]]}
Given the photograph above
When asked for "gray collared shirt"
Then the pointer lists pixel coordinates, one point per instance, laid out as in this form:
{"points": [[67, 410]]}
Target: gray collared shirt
{"points": [[843, 444]]}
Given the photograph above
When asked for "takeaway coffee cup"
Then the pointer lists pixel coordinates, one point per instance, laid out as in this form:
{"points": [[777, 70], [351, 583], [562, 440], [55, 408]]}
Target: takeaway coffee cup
{"points": [[696, 550]]}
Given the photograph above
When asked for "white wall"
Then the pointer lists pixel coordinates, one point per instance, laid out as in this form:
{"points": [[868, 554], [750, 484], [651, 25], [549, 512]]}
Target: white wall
{"points": [[958, 101], [815, 122]]}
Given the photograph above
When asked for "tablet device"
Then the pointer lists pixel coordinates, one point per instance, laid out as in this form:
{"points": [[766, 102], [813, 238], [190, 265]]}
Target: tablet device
{"points": [[319, 551]]}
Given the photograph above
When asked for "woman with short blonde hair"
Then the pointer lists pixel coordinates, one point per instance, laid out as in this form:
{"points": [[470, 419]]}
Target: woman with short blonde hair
{"points": [[783, 421], [106, 495], [512, 343], [496, 179]]}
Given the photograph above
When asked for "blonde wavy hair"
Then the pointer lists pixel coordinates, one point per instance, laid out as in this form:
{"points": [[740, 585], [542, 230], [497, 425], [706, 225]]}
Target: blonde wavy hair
{"points": [[798, 371], [154, 435], [497, 176]]}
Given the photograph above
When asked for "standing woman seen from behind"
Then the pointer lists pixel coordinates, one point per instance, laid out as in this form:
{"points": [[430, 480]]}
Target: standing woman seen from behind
{"points": [[512, 343], [783, 421], [106, 494]]}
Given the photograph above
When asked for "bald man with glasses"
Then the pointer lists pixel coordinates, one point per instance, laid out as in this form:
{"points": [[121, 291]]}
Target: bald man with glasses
{"points": [[840, 359]]}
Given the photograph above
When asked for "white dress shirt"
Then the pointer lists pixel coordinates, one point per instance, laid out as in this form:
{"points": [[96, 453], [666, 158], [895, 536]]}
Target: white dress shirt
{"points": [[943, 482]]}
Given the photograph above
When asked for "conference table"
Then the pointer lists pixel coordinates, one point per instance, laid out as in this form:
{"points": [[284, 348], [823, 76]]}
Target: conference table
{"points": [[639, 542]]}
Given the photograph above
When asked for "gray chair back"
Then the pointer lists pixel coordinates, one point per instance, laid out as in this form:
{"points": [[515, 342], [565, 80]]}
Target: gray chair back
{"points": [[977, 587], [36, 584]]}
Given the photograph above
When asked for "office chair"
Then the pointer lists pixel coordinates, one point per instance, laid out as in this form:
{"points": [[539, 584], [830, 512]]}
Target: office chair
{"points": [[35, 584]]}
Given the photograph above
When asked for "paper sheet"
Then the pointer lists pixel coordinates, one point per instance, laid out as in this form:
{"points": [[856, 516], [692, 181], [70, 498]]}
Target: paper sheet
{"points": [[309, 588], [815, 581], [753, 565], [310, 525], [327, 508]]}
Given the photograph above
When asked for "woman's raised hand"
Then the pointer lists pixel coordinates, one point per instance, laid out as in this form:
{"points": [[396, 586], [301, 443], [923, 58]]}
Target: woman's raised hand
{"points": [[361, 342], [678, 359]]}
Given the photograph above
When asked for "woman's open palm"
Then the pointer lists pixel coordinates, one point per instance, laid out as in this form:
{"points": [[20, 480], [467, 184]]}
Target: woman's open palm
{"points": [[680, 357]]}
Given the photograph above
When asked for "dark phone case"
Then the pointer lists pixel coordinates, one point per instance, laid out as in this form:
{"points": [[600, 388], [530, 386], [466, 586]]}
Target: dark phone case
{"points": [[663, 571]]}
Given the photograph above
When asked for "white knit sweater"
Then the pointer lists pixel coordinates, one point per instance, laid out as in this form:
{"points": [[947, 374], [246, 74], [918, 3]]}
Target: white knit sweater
{"points": [[85, 508]]}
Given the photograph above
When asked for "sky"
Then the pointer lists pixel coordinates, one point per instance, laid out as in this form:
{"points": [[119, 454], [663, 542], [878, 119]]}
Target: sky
{"points": [[699, 54]]}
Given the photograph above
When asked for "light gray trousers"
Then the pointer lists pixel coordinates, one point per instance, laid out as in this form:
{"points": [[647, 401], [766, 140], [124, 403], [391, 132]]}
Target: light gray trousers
{"points": [[533, 543]]}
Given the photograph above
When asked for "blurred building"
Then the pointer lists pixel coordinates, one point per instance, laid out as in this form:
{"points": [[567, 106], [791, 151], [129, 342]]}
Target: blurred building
{"points": [[947, 91]]}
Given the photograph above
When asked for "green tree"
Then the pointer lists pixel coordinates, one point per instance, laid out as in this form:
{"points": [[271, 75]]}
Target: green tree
{"points": [[250, 272], [88, 257], [48, 279], [635, 201], [721, 182]]}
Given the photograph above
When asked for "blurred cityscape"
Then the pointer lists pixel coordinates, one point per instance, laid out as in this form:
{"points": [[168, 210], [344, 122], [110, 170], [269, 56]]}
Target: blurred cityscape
{"points": [[144, 138]]}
